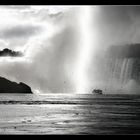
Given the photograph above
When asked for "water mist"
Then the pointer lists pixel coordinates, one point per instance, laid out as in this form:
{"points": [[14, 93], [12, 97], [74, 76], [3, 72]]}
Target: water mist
{"points": [[86, 45]]}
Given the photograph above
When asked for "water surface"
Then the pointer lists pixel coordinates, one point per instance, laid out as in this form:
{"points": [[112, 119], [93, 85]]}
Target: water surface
{"points": [[69, 114]]}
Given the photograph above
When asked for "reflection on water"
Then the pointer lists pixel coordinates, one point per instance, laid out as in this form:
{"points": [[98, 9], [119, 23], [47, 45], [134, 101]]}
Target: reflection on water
{"points": [[70, 114]]}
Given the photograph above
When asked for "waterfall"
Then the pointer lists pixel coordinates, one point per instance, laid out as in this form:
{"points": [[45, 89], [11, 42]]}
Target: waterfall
{"points": [[122, 71], [126, 71]]}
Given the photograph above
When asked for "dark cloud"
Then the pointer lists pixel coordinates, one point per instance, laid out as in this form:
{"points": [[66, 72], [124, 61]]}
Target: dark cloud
{"points": [[19, 31], [6, 52]]}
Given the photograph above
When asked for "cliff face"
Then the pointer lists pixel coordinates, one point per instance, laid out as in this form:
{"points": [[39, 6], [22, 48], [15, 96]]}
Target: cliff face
{"points": [[7, 86]]}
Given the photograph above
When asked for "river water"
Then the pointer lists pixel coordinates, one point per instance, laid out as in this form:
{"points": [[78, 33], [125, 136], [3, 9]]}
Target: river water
{"points": [[69, 114]]}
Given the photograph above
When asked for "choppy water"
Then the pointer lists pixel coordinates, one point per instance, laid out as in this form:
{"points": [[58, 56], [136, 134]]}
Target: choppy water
{"points": [[69, 114]]}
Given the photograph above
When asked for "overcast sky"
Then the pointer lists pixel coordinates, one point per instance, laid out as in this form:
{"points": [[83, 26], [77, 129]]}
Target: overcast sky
{"points": [[47, 36]]}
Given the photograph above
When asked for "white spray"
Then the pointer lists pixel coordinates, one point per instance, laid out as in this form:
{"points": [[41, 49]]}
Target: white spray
{"points": [[87, 40]]}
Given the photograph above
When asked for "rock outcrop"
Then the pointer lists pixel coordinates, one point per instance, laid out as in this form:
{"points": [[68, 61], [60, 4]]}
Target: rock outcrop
{"points": [[7, 86]]}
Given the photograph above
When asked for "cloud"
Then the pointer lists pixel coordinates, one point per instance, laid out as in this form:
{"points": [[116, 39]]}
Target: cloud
{"points": [[48, 47], [19, 31], [17, 36], [6, 52], [48, 36], [21, 24], [119, 24], [16, 6]]}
